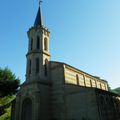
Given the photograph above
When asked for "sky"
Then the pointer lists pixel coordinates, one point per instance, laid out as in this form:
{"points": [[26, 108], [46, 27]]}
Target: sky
{"points": [[84, 34]]}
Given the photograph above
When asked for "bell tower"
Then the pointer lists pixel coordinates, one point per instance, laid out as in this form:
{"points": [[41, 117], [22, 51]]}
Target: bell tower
{"points": [[38, 54], [33, 99]]}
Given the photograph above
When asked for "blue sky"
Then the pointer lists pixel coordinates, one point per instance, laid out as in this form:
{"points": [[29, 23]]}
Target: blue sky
{"points": [[84, 34]]}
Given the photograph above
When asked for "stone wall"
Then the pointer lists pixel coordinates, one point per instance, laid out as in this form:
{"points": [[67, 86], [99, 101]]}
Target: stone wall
{"points": [[108, 104], [71, 102], [80, 103], [39, 95], [57, 93]]}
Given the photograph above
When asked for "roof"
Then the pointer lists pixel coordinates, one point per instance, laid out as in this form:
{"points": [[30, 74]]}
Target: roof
{"points": [[78, 70], [38, 20]]}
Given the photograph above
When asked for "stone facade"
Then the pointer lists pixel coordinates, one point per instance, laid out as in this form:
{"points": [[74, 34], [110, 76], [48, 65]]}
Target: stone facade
{"points": [[108, 105], [39, 96], [72, 99], [57, 91]]}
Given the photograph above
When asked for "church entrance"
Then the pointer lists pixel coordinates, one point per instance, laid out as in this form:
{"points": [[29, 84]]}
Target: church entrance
{"points": [[27, 109]]}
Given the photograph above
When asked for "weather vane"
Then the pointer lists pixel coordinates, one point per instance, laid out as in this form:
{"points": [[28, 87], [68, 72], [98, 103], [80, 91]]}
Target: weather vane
{"points": [[40, 1]]}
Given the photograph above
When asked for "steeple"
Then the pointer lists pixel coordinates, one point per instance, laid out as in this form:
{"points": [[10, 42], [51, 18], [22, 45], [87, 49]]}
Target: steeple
{"points": [[38, 20], [38, 55]]}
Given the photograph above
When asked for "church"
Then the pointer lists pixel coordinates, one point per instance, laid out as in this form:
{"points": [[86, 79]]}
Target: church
{"points": [[58, 91]]}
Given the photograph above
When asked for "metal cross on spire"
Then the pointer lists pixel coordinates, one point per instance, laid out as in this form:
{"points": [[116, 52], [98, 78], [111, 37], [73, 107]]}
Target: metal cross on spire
{"points": [[40, 1]]}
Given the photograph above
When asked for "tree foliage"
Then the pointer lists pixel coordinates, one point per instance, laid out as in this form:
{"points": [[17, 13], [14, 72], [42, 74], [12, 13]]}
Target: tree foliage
{"points": [[5, 107], [9, 85], [116, 90], [8, 82]]}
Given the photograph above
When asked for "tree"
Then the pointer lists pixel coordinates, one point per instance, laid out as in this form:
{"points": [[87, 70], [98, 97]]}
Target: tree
{"points": [[116, 90], [9, 85], [8, 82]]}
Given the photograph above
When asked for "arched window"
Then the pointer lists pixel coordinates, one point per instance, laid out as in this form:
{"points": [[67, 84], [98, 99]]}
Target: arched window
{"points": [[29, 66], [77, 78], [31, 44], [46, 67], [26, 113], [38, 42], [37, 65], [45, 44]]}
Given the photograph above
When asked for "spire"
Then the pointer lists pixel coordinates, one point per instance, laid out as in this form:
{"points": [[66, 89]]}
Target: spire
{"points": [[38, 20]]}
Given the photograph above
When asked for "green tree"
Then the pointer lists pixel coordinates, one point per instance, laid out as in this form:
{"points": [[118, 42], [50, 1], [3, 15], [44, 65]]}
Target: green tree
{"points": [[8, 82], [9, 85], [116, 90]]}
